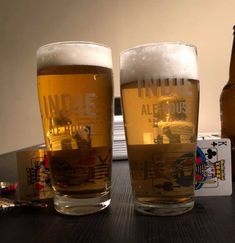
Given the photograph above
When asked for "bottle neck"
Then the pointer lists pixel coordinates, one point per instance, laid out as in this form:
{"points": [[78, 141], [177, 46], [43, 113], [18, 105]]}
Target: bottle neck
{"points": [[232, 64]]}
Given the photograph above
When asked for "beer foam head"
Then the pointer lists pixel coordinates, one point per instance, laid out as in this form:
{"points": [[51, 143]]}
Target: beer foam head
{"points": [[74, 53], [159, 61]]}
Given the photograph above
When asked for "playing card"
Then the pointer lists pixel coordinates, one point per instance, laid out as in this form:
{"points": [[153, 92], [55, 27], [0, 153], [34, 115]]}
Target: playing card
{"points": [[33, 173], [213, 168]]}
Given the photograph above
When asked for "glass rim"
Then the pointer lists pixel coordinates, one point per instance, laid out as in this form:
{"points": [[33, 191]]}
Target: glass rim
{"points": [[74, 53], [64, 43], [158, 44]]}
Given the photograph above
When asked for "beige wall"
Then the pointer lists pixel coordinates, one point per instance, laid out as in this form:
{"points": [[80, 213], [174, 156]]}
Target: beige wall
{"points": [[26, 25]]}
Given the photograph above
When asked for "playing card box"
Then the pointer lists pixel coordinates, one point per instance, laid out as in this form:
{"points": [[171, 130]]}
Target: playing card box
{"points": [[213, 168]]}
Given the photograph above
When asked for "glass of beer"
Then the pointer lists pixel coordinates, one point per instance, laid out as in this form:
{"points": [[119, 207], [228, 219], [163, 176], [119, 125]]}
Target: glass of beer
{"points": [[75, 89], [160, 100]]}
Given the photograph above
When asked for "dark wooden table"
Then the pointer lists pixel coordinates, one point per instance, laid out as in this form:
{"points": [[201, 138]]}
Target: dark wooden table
{"points": [[212, 220]]}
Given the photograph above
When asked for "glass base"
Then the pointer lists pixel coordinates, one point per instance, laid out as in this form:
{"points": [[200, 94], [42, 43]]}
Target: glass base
{"points": [[77, 206], [164, 210]]}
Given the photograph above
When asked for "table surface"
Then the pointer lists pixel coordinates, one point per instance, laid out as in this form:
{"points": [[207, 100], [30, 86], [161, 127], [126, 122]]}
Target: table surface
{"points": [[211, 220]]}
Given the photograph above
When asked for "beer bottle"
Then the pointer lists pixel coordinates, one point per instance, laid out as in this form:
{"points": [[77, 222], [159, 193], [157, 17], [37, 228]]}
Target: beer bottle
{"points": [[227, 107]]}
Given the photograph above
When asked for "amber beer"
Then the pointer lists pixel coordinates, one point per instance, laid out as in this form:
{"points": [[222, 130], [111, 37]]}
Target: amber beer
{"points": [[160, 98], [75, 90]]}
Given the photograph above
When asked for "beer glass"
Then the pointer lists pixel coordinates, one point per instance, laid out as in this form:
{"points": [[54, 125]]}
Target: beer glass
{"points": [[75, 89], [160, 100]]}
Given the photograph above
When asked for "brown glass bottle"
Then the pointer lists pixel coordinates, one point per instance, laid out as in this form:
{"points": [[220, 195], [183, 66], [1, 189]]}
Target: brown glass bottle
{"points": [[227, 107]]}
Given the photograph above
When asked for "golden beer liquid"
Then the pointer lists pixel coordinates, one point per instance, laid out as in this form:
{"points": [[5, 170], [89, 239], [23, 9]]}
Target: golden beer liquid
{"points": [[161, 130], [76, 108]]}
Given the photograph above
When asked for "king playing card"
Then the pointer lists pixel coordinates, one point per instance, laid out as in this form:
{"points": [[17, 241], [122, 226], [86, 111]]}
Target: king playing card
{"points": [[213, 168]]}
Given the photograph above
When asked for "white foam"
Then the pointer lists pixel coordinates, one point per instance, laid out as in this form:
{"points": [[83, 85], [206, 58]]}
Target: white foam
{"points": [[74, 53], [159, 61]]}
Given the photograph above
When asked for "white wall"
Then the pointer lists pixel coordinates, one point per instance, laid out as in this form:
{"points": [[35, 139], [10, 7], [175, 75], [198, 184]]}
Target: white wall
{"points": [[26, 25]]}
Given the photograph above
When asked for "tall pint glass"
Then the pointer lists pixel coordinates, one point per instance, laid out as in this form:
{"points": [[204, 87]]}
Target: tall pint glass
{"points": [[75, 89], [160, 100]]}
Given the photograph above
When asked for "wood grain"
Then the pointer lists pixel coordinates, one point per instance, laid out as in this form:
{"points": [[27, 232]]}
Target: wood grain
{"points": [[212, 220]]}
